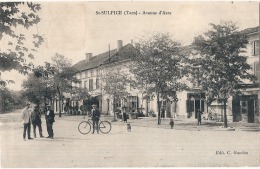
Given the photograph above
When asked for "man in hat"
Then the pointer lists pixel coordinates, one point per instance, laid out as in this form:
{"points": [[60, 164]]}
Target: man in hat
{"points": [[95, 118], [26, 116], [36, 120], [49, 116]]}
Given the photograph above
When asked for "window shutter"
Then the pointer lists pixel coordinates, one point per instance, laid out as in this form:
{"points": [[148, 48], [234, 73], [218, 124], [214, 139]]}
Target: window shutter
{"points": [[188, 105], [256, 70], [253, 48], [257, 47], [202, 105]]}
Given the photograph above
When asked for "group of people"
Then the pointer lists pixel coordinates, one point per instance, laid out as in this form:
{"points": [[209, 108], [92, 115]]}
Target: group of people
{"points": [[33, 116]]}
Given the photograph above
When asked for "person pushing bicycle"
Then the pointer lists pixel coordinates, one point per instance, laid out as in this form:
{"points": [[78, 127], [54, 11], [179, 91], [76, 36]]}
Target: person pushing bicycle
{"points": [[95, 118]]}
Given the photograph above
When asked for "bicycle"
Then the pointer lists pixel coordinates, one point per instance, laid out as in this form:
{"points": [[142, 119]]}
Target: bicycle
{"points": [[84, 127]]}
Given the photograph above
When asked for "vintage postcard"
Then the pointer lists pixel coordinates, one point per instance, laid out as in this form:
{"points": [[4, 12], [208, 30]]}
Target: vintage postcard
{"points": [[88, 84]]}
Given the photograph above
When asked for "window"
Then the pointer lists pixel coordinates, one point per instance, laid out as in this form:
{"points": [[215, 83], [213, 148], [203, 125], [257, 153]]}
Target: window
{"points": [[97, 83], [85, 84], [256, 70], [92, 73], [80, 75], [86, 74], [90, 84], [255, 47]]}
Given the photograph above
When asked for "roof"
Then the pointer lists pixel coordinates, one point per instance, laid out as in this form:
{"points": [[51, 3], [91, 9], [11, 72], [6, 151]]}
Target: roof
{"points": [[124, 53], [251, 30]]}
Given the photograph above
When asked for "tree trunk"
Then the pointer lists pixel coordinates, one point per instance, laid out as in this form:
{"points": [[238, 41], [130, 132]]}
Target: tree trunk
{"points": [[59, 100], [159, 112], [225, 114], [114, 105]]}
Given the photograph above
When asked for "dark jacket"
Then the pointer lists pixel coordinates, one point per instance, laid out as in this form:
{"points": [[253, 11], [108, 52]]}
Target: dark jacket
{"points": [[49, 116], [36, 117], [95, 114]]}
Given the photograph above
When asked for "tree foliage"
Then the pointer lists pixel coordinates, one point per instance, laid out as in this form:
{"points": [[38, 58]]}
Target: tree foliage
{"points": [[10, 100], [18, 42], [38, 89], [115, 84], [160, 66], [61, 76], [223, 65]]}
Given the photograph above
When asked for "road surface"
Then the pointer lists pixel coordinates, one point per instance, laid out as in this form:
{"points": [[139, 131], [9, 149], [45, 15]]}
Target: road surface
{"points": [[143, 147]]}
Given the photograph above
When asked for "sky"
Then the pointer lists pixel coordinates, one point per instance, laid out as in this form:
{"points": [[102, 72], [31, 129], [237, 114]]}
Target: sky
{"points": [[74, 28]]}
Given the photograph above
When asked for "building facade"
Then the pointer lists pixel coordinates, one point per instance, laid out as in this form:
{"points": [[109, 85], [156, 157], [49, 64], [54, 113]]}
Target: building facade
{"points": [[92, 70]]}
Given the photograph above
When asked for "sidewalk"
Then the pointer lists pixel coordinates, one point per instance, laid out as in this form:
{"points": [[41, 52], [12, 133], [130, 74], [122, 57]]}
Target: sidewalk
{"points": [[179, 123]]}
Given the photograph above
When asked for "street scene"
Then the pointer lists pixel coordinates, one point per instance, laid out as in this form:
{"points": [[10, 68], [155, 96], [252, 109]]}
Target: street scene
{"points": [[145, 146], [129, 84]]}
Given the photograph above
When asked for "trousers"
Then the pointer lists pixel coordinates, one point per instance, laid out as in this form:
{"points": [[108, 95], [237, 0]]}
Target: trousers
{"points": [[49, 129], [26, 127], [39, 125], [95, 126]]}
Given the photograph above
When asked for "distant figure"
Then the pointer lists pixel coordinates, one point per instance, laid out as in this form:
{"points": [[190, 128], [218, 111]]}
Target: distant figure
{"points": [[172, 123], [199, 116], [124, 115], [128, 127], [26, 116], [95, 118], [36, 121], [49, 116]]}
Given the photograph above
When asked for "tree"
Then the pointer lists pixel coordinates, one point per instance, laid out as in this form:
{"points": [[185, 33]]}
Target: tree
{"points": [[159, 67], [114, 84], [223, 65], [38, 89], [16, 21], [61, 75], [11, 100]]}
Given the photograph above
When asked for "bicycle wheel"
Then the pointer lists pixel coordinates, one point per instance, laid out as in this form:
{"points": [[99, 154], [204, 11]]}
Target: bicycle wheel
{"points": [[84, 127], [105, 127]]}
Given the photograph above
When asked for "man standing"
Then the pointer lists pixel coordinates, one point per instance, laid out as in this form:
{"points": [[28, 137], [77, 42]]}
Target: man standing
{"points": [[26, 116], [199, 116], [36, 121], [49, 116], [95, 118]]}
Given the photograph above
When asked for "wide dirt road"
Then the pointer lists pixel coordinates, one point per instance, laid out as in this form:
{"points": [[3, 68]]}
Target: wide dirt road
{"points": [[143, 147]]}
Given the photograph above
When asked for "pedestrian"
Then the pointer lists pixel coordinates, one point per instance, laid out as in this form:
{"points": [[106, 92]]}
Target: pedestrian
{"points": [[124, 115], [95, 118], [36, 121], [199, 116], [26, 116], [49, 116], [172, 123]]}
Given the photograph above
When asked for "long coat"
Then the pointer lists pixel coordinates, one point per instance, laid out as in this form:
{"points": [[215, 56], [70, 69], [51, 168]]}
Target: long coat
{"points": [[49, 116]]}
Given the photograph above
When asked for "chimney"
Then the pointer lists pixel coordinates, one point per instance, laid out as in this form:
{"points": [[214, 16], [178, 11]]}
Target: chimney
{"points": [[137, 46], [88, 57], [119, 44], [132, 42]]}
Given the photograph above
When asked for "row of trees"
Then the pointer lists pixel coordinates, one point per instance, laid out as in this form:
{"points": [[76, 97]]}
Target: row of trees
{"points": [[215, 63], [217, 55]]}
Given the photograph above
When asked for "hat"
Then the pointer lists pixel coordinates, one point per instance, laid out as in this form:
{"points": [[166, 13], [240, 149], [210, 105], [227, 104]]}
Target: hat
{"points": [[94, 105]]}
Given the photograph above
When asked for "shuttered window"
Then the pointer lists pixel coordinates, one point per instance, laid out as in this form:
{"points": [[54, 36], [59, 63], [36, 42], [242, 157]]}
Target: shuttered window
{"points": [[90, 84], [255, 48], [256, 70]]}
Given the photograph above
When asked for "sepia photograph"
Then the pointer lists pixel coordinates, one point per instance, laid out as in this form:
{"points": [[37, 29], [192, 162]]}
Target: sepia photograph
{"points": [[104, 84]]}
